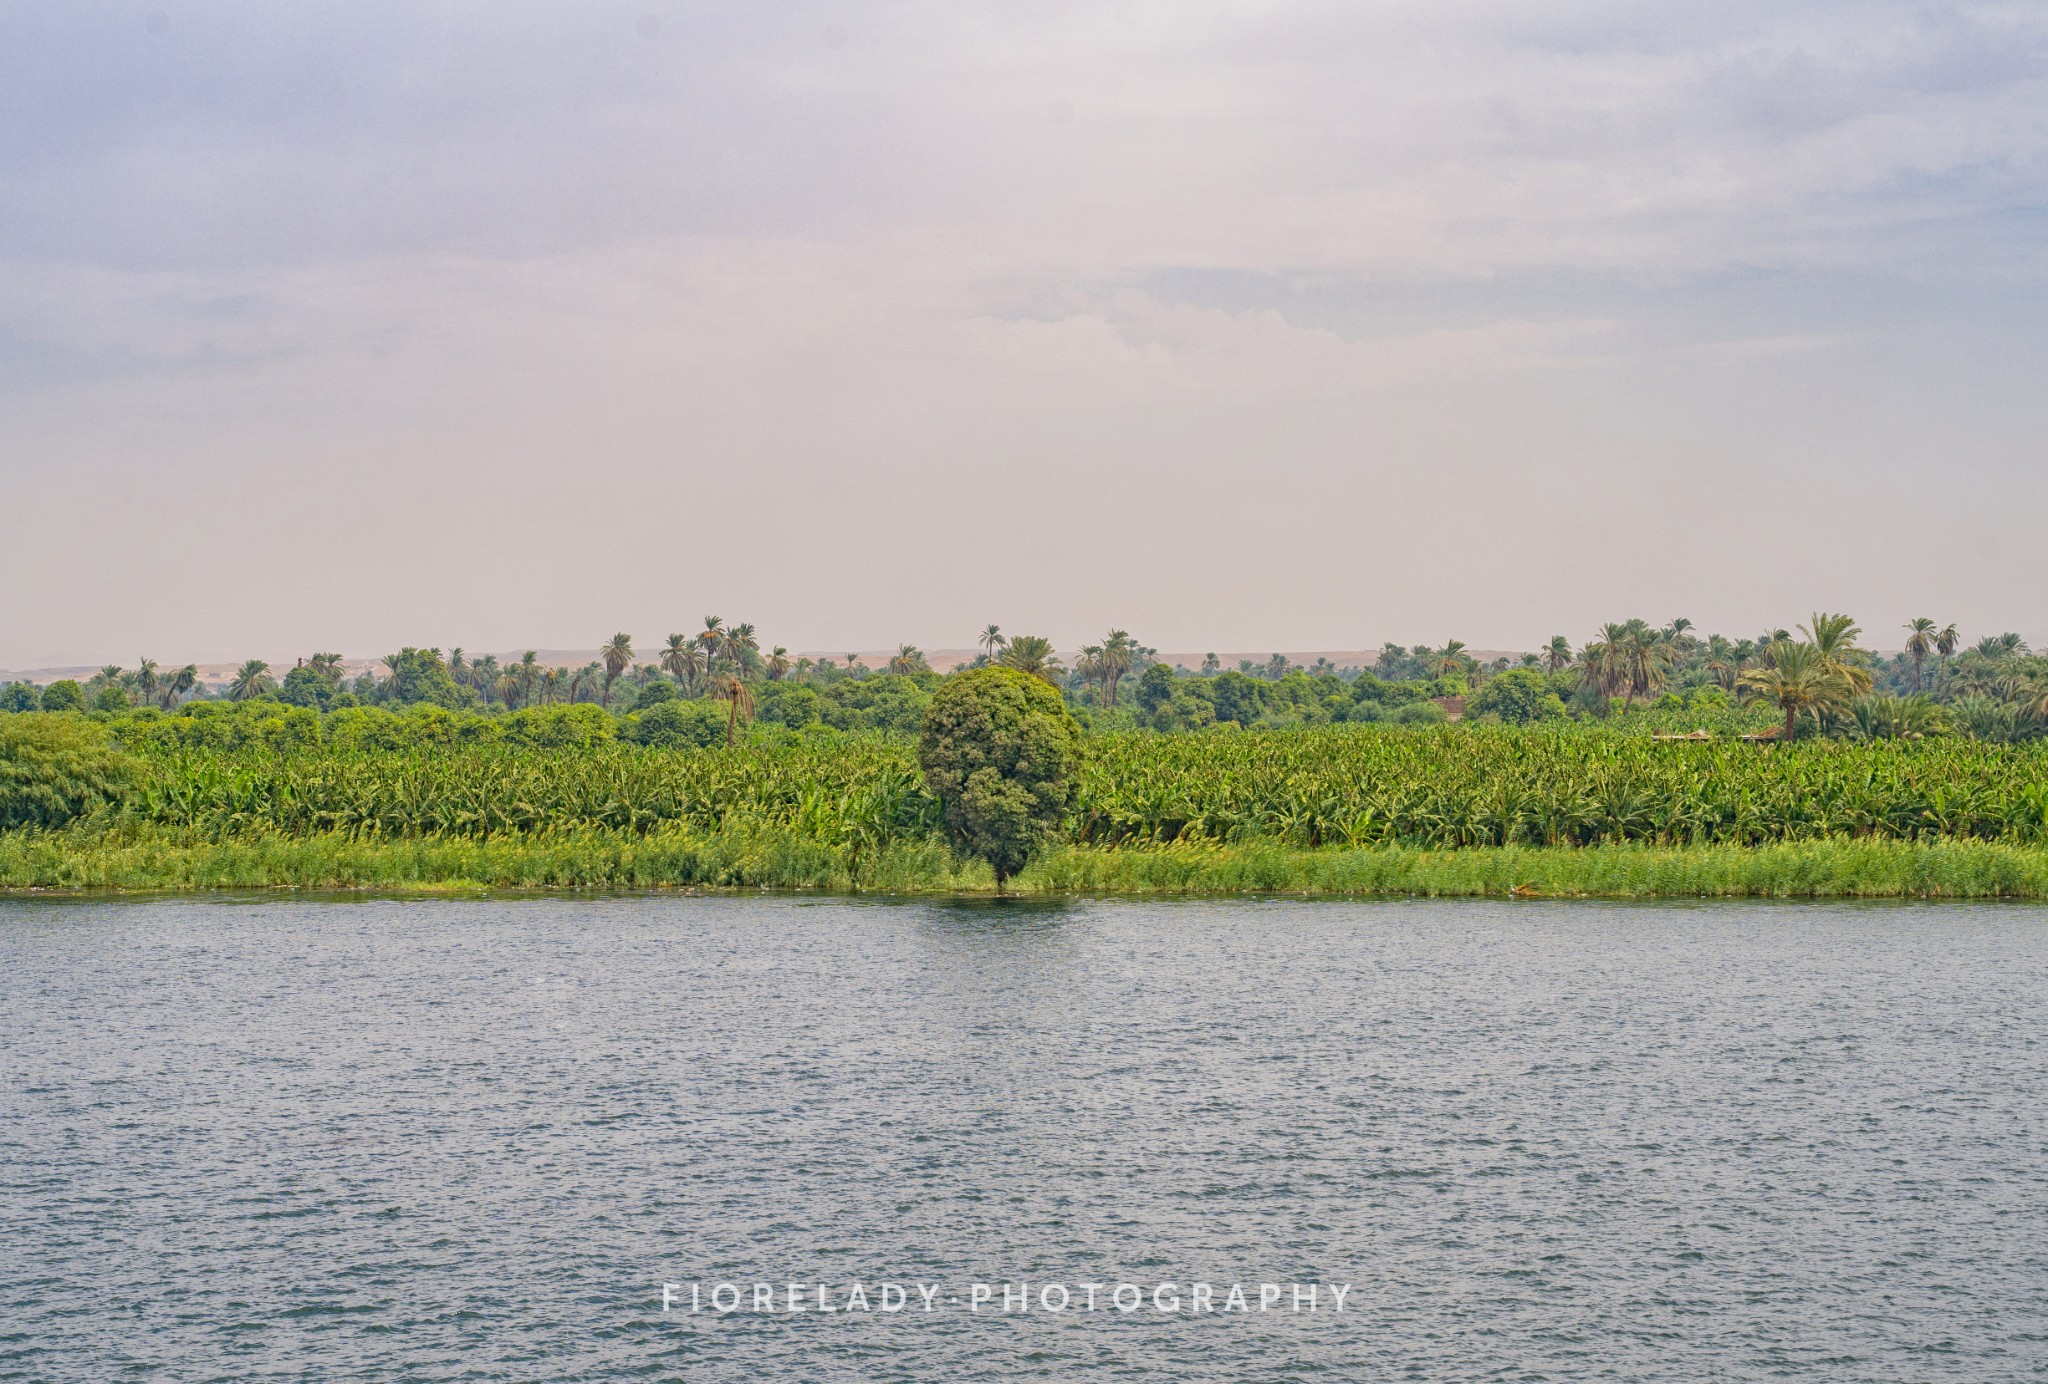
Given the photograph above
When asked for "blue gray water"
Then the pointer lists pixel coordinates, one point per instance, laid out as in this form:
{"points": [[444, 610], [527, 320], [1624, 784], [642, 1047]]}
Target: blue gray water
{"points": [[472, 1140]]}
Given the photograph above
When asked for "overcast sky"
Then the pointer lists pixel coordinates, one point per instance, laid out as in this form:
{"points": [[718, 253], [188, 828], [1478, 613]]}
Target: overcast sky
{"points": [[1246, 325]]}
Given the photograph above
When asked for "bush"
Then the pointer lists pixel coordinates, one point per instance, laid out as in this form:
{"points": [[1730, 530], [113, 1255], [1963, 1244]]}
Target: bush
{"points": [[369, 728], [308, 687], [656, 692], [576, 726], [679, 725], [65, 695], [999, 751], [1417, 714], [57, 768], [19, 696], [1155, 688], [793, 704], [1520, 696]]}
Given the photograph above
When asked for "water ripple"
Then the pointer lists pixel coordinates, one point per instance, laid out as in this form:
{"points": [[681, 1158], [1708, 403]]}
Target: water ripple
{"points": [[419, 1141]]}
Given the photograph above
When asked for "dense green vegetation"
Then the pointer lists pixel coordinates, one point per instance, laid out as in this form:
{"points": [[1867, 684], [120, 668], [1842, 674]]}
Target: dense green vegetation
{"points": [[555, 796], [707, 687], [721, 766]]}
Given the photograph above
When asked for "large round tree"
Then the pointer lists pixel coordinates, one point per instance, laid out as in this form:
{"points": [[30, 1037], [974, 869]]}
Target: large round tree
{"points": [[999, 750]]}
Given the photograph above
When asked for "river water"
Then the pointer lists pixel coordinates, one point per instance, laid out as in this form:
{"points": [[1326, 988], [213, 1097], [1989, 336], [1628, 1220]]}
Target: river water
{"points": [[474, 1140]]}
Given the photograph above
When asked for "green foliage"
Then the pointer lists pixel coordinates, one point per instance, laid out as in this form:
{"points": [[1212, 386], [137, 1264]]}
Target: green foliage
{"points": [[679, 724], [55, 768], [578, 725], [20, 696], [1155, 688], [419, 676], [998, 750], [890, 702], [654, 693], [1520, 696], [1463, 786], [63, 695], [1236, 698], [305, 686]]}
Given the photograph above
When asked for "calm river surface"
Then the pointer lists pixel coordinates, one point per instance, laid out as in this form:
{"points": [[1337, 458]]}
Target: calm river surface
{"points": [[472, 1140]]}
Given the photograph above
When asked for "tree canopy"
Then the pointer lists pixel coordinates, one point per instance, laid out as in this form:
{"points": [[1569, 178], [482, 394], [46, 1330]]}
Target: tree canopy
{"points": [[999, 751]]}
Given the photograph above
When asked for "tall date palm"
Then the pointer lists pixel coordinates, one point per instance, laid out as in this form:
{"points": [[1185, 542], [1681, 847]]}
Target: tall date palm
{"points": [[252, 679], [1920, 635], [616, 655], [1031, 653], [1799, 678], [684, 659]]}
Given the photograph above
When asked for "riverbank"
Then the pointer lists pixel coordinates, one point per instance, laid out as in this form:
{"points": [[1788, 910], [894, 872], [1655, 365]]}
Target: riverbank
{"points": [[169, 861]]}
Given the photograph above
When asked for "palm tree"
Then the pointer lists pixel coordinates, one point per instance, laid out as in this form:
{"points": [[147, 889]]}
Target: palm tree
{"points": [[1920, 635], [552, 681], [1599, 665], [1724, 661], [1834, 639], [684, 659], [1945, 644], [177, 685], [711, 639], [617, 653], [1446, 661], [1645, 658], [2001, 645], [251, 680], [909, 659], [145, 679], [990, 641], [730, 686], [739, 646], [1119, 654], [1557, 655], [1799, 677], [326, 665], [1088, 667], [1028, 653], [778, 664]]}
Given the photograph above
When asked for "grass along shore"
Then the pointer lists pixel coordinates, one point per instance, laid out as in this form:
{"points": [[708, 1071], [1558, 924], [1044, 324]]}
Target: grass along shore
{"points": [[156, 860]]}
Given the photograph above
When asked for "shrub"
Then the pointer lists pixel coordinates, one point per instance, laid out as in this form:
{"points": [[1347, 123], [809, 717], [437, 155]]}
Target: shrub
{"points": [[64, 695], [679, 724], [309, 687], [1520, 696], [19, 696], [578, 725], [656, 692]]}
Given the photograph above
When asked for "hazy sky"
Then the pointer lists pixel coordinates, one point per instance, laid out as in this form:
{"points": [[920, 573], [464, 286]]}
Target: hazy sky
{"points": [[1248, 325]]}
